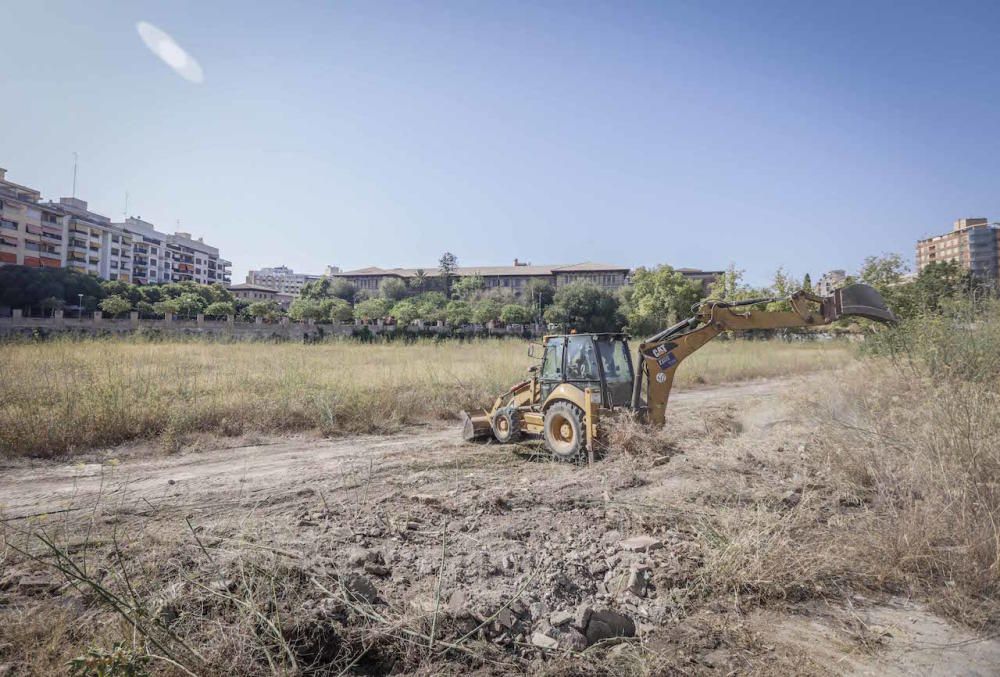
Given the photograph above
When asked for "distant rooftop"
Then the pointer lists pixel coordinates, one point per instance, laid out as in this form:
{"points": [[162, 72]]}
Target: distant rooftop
{"points": [[488, 271]]}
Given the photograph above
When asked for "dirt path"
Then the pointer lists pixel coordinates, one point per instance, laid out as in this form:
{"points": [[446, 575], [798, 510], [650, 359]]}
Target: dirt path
{"points": [[52, 487]]}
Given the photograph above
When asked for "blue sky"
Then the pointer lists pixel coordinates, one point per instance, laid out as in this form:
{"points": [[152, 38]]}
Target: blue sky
{"points": [[797, 134]]}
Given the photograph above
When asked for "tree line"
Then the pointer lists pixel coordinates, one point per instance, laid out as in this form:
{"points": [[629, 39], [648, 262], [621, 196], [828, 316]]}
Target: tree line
{"points": [[657, 297]]}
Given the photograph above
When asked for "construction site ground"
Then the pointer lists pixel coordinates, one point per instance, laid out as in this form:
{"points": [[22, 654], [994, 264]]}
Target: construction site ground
{"points": [[544, 561]]}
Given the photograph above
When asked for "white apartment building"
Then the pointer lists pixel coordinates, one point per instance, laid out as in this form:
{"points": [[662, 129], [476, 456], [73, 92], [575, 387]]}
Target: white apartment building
{"points": [[282, 279], [67, 234], [161, 257]]}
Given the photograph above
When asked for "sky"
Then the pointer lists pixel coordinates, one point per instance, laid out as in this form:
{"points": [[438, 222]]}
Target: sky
{"points": [[802, 135]]}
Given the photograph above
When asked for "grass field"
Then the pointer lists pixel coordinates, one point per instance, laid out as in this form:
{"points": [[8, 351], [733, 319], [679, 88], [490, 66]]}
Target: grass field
{"points": [[62, 396]]}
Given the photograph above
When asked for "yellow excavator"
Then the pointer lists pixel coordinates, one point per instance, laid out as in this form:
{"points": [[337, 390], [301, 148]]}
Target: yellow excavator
{"points": [[583, 378]]}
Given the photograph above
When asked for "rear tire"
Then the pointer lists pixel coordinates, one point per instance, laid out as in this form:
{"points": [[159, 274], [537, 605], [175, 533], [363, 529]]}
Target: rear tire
{"points": [[565, 432], [506, 424]]}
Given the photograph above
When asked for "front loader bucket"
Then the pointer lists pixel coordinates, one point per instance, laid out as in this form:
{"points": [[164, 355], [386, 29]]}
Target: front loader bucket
{"points": [[474, 427], [857, 300]]}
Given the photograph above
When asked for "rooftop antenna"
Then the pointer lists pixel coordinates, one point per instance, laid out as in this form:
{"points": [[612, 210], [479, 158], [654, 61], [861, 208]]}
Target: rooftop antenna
{"points": [[75, 158], [125, 211]]}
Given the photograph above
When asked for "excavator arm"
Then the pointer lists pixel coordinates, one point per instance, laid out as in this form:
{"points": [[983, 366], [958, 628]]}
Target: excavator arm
{"points": [[662, 353]]}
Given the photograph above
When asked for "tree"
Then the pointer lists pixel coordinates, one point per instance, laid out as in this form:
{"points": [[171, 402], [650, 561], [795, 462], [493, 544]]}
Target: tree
{"points": [[807, 284], [514, 313], [166, 307], [190, 304], [405, 312], [882, 272], [585, 307], [132, 293], [27, 286], [269, 310], [337, 310], [51, 304], [372, 309], [342, 289], [784, 285], [220, 309], [728, 286], [447, 266], [486, 310], [419, 280], [936, 284], [539, 294], [393, 289], [430, 306], [145, 308], [458, 313], [658, 298], [315, 289], [468, 288], [115, 305], [306, 309]]}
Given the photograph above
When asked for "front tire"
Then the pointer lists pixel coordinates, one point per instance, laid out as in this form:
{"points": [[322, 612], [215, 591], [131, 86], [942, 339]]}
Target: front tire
{"points": [[506, 424], [565, 431]]}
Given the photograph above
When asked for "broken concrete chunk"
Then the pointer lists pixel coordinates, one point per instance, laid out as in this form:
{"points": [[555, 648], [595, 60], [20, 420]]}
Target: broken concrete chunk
{"points": [[608, 624], [356, 557], [582, 616], [544, 641], [561, 618], [640, 544]]}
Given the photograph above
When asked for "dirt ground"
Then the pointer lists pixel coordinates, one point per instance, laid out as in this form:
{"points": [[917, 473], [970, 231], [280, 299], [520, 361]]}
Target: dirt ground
{"points": [[547, 564]]}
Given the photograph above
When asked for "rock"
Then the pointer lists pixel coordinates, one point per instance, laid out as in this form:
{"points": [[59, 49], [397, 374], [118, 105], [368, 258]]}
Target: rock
{"points": [[640, 544], [598, 568], [637, 583], [424, 604], [792, 498], [716, 659], [571, 639], [544, 641], [608, 624], [361, 588], [305, 523], [376, 569], [560, 618], [506, 618], [582, 617], [456, 603], [611, 537], [357, 557]]}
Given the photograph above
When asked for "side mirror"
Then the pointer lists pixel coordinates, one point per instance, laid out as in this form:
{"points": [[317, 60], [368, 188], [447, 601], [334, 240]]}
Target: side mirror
{"points": [[533, 369], [531, 350]]}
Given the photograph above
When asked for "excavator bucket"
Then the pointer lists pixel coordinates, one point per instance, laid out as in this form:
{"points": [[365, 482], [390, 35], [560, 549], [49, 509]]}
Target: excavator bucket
{"points": [[475, 427], [857, 300]]}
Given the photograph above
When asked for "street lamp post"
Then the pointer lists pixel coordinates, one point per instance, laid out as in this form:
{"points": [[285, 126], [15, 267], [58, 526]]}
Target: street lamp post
{"points": [[79, 307]]}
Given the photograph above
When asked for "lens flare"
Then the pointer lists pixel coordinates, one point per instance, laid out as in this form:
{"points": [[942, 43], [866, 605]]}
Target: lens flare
{"points": [[169, 52]]}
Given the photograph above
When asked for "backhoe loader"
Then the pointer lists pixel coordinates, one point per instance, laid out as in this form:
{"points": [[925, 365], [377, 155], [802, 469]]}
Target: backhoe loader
{"points": [[583, 378]]}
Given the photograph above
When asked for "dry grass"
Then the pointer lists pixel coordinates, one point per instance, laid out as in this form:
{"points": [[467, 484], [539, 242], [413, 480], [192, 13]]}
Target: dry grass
{"points": [[58, 397]]}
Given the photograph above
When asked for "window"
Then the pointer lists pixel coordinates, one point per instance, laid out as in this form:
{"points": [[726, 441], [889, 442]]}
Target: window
{"points": [[552, 364], [614, 360], [581, 362], [10, 225]]}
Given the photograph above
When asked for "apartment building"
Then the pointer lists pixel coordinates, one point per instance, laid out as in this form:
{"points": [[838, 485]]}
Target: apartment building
{"points": [[67, 234], [93, 244], [973, 243], [31, 233], [831, 280], [282, 279], [162, 257]]}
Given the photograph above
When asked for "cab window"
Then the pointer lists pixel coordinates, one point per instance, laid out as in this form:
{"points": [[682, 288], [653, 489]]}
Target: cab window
{"points": [[615, 362], [581, 360], [553, 361]]}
